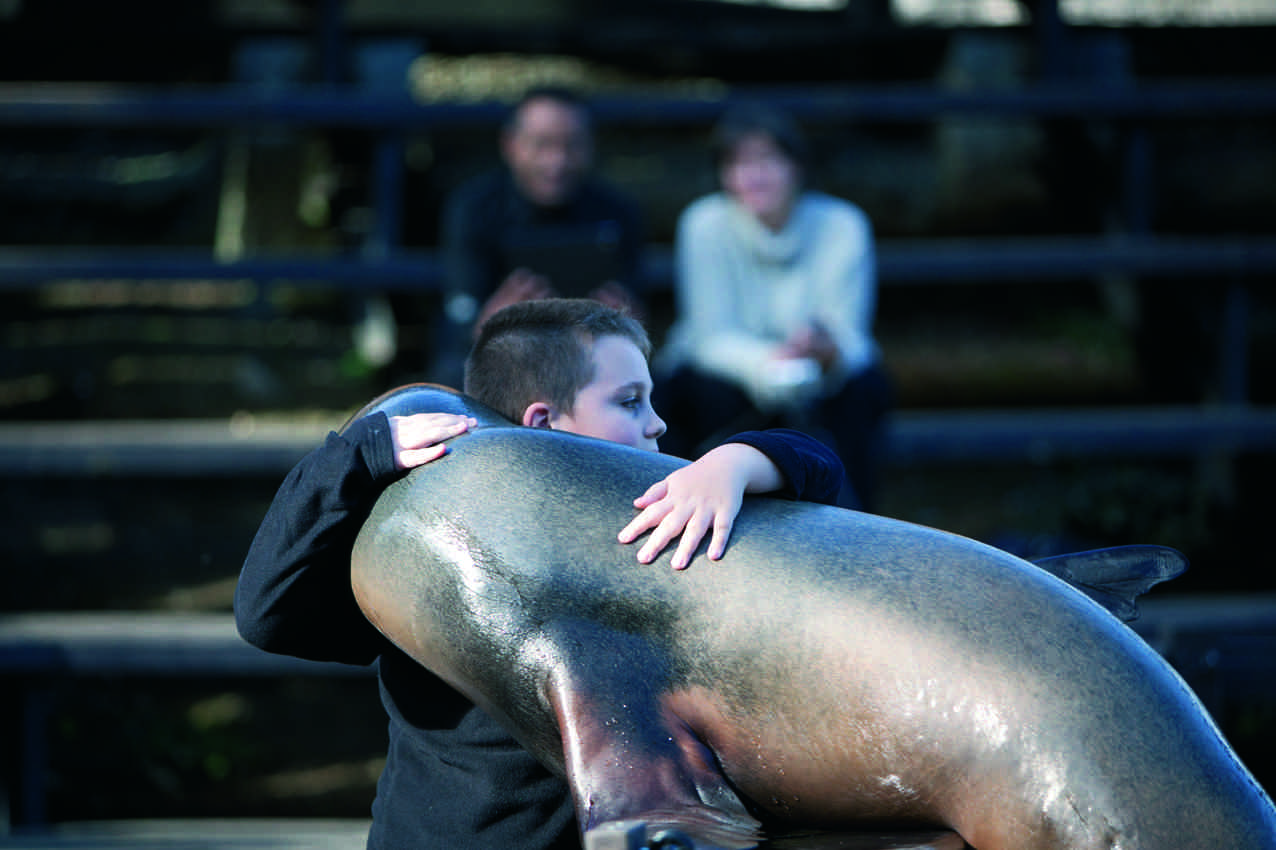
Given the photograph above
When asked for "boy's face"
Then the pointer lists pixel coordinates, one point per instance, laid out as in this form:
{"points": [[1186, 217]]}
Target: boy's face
{"points": [[616, 405]]}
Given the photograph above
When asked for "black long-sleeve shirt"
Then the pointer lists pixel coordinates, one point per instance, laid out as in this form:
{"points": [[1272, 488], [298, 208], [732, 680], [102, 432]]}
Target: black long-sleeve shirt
{"points": [[453, 778]]}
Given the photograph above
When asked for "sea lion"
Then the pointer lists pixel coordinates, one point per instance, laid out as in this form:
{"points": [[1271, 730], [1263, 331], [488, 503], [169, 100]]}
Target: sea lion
{"points": [[835, 670]]}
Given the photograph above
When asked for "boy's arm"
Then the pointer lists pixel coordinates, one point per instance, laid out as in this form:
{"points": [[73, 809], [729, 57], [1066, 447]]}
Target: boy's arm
{"points": [[293, 595], [707, 494], [811, 471]]}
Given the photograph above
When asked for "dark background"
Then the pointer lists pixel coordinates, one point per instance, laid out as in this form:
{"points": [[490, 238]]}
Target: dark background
{"points": [[92, 350]]}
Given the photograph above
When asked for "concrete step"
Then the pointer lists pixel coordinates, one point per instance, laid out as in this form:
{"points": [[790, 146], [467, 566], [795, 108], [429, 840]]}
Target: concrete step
{"points": [[195, 834]]}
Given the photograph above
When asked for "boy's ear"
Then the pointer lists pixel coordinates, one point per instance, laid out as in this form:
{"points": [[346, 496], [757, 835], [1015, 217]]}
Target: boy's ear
{"points": [[537, 415]]}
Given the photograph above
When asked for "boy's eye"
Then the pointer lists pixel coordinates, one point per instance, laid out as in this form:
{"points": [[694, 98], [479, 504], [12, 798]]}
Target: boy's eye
{"points": [[631, 402]]}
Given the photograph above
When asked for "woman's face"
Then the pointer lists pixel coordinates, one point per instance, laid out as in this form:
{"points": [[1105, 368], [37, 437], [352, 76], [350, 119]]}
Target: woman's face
{"points": [[762, 178]]}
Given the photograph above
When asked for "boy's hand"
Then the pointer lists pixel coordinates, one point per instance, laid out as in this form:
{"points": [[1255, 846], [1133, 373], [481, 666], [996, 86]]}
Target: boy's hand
{"points": [[419, 438], [696, 498]]}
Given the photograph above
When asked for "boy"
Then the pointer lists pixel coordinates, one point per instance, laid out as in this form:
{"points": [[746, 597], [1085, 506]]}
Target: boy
{"points": [[453, 777]]}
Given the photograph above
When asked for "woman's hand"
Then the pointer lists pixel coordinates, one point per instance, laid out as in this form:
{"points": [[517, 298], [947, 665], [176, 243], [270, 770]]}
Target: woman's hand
{"points": [[420, 438], [814, 341], [699, 497]]}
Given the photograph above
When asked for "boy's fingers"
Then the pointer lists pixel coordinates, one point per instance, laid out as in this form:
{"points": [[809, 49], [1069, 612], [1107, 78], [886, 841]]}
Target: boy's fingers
{"points": [[630, 532], [654, 494], [426, 428], [670, 527], [695, 531], [686, 548], [673, 526], [457, 428], [651, 516], [409, 458], [654, 545], [637, 526], [419, 438], [721, 533]]}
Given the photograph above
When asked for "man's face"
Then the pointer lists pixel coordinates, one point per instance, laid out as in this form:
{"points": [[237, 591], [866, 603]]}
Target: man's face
{"points": [[548, 150], [616, 405]]}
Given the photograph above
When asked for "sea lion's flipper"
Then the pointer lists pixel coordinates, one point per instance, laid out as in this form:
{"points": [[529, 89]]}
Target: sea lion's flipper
{"points": [[1115, 577], [627, 755]]}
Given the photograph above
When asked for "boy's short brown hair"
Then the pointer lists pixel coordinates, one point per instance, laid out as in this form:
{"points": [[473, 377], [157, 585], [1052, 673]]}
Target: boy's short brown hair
{"points": [[541, 351]]}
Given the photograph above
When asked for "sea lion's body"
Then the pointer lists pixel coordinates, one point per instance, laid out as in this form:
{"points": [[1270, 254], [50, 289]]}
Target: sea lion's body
{"points": [[834, 670]]}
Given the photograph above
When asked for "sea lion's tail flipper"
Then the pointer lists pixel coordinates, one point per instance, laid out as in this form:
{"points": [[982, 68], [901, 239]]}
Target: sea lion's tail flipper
{"points": [[1115, 577]]}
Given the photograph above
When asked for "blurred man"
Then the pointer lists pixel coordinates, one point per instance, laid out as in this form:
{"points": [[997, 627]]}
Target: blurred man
{"points": [[541, 225]]}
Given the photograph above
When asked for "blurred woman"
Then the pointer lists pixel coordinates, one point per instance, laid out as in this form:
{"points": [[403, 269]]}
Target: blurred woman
{"points": [[776, 294]]}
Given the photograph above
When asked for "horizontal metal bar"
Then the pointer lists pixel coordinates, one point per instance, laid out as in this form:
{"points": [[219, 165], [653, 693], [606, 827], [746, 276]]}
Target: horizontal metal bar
{"points": [[899, 261], [143, 644], [1061, 257], [109, 105], [157, 448], [1047, 435], [196, 448], [24, 267]]}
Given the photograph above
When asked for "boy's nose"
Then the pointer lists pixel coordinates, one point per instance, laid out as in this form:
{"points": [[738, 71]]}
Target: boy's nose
{"points": [[656, 428]]}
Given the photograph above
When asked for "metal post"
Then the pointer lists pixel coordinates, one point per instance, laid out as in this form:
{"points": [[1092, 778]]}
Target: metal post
{"points": [[387, 196], [1233, 355], [34, 757], [331, 35], [1051, 39]]}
